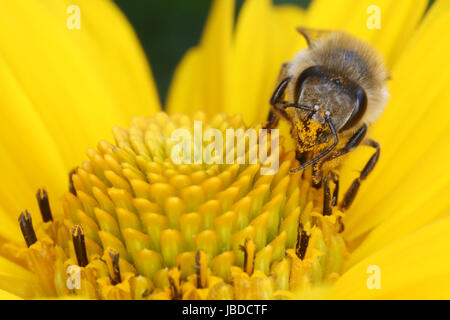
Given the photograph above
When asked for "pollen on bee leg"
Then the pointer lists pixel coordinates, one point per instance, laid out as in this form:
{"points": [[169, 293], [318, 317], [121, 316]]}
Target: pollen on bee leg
{"points": [[26, 226], [44, 205], [79, 245]]}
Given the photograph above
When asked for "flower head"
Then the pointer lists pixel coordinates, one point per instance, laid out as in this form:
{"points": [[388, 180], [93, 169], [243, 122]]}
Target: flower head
{"points": [[139, 226]]}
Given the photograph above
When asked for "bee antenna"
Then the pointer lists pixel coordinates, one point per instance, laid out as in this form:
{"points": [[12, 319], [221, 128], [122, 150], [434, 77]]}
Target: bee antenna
{"points": [[326, 152]]}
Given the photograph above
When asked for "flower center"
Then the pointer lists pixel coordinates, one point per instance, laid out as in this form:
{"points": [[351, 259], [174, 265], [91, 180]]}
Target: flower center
{"points": [[136, 225]]}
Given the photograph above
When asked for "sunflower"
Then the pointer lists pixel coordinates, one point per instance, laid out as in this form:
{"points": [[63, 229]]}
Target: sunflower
{"points": [[133, 224]]}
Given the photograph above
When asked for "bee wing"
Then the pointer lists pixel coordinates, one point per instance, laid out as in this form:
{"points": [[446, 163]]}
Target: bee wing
{"points": [[312, 35]]}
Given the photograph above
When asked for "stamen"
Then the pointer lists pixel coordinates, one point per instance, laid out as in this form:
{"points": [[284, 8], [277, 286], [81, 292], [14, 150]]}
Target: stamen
{"points": [[201, 269], [249, 249], [44, 205], [302, 242], [175, 286], [327, 207], [26, 226], [341, 224], [71, 186], [79, 245], [112, 261]]}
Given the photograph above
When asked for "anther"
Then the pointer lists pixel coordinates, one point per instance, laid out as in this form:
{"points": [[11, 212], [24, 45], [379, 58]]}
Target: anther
{"points": [[327, 207], [175, 285], [341, 226], [79, 245], [112, 261], [302, 242], [44, 205], [71, 186], [27, 228], [249, 249], [201, 260]]}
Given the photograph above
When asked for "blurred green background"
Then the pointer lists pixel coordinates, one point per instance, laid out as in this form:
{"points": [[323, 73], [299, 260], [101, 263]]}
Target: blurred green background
{"points": [[167, 28]]}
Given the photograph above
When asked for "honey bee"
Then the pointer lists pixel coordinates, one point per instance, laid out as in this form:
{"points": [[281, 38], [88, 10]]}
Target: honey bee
{"points": [[330, 93]]}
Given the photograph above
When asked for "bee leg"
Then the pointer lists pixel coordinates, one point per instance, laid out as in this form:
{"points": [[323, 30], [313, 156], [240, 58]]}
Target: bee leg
{"points": [[352, 143], [277, 104], [353, 189], [330, 200], [279, 92], [272, 120], [283, 81], [303, 156]]}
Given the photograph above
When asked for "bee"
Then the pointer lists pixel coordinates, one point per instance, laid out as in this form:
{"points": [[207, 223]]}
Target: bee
{"points": [[330, 93]]}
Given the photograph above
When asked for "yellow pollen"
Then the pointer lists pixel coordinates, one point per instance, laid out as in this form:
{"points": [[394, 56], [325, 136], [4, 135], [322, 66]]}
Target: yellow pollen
{"points": [[139, 226]]}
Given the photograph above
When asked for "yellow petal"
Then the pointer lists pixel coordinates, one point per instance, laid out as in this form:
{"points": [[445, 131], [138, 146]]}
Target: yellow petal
{"points": [[404, 213], [252, 69], [261, 45], [16, 280], [62, 90], [202, 79], [185, 90], [414, 267], [287, 39], [329, 14], [397, 21], [4, 295], [30, 157], [216, 51], [10, 230], [413, 133], [80, 82]]}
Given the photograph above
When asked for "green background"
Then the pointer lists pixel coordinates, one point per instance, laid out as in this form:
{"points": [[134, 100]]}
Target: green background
{"points": [[167, 28]]}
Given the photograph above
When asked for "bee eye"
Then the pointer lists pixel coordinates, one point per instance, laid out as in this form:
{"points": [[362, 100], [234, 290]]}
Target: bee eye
{"points": [[358, 111], [311, 71]]}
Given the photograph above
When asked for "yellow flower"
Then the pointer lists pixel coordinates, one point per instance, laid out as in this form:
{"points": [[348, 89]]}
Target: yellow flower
{"points": [[139, 226]]}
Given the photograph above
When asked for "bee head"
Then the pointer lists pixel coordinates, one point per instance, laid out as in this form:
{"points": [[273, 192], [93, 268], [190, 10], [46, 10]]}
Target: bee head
{"points": [[331, 95]]}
